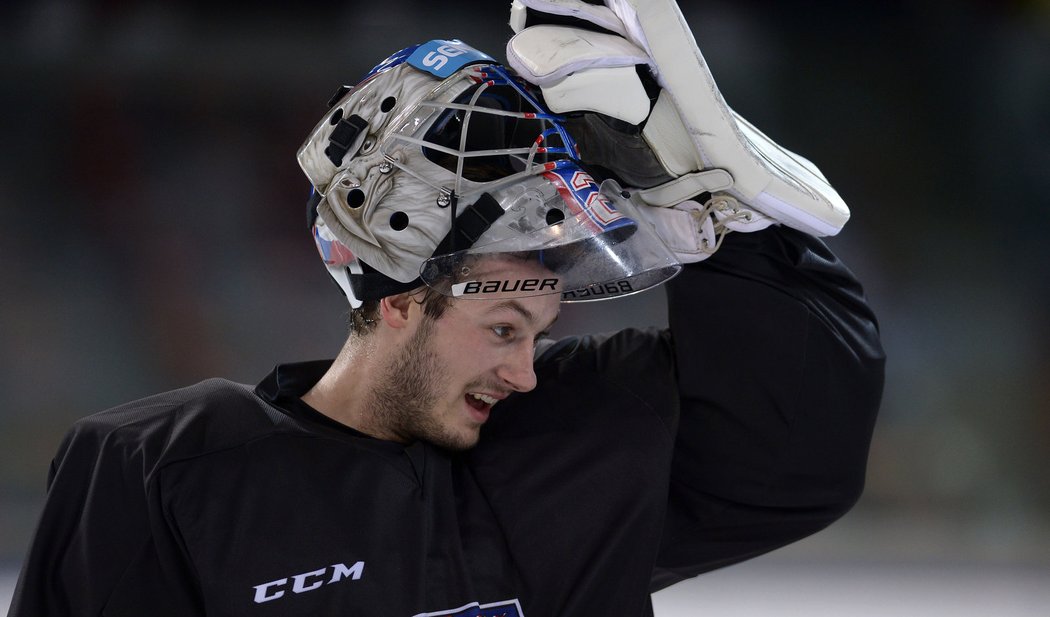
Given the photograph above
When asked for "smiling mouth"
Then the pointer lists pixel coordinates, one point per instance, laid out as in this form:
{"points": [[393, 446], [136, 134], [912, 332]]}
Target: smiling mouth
{"points": [[481, 404], [481, 399]]}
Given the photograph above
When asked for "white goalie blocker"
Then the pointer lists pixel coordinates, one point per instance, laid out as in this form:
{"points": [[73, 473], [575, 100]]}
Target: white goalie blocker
{"points": [[702, 143]]}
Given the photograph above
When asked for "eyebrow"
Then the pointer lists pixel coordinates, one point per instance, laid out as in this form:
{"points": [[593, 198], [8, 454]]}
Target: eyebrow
{"points": [[517, 307]]}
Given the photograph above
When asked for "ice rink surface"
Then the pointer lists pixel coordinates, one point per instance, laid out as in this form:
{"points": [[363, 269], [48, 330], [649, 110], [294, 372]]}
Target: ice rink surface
{"points": [[849, 590], [7, 587], [782, 589]]}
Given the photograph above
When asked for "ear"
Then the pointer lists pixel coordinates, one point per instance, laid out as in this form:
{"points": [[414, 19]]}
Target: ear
{"points": [[396, 311]]}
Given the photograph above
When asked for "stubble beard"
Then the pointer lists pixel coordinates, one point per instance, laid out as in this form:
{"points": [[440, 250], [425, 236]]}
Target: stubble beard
{"points": [[406, 400]]}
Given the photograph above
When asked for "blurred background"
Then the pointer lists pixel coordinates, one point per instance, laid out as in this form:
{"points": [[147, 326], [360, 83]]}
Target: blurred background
{"points": [[153, 234]]}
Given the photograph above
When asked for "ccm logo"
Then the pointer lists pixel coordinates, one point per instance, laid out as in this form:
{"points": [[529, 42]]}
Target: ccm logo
{"points": [[308, 581]]}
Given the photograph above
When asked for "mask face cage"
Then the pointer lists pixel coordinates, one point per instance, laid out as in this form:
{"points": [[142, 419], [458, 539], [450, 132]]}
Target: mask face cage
{"points": [[491, 134], [555, 230]]}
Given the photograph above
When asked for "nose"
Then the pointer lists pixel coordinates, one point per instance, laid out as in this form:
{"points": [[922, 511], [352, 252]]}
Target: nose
{"points": [[517, 371]]}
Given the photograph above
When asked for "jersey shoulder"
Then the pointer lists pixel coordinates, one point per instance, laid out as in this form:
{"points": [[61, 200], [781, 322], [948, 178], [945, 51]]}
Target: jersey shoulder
{"points": [[630, 354], [630, 371], [212, 415]]}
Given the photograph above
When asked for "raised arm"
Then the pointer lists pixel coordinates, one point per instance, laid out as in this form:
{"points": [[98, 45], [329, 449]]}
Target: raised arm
{"points": [[780, 371], [777, 354]]}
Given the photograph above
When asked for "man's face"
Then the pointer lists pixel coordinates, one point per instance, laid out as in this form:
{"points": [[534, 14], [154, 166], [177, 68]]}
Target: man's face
{"points": [[442, 384]]}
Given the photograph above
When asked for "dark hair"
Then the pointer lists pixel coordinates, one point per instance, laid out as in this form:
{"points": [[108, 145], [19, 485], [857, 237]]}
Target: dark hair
{"points": [[363, 320]]}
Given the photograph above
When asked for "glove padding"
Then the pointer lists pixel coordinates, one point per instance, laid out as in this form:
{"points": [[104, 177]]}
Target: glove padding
{"points": [[694, 231], [692, 141]]}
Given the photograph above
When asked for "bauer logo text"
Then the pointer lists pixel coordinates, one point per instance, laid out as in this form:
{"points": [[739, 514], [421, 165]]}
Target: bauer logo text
{"points": [[615, 288], [513, 286]]}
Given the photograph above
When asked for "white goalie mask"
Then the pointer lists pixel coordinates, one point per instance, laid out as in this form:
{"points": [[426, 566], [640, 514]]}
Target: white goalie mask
{"points": [[441, 158]]}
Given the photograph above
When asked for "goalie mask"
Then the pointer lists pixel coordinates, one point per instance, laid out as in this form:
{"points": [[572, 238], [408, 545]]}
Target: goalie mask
{"points": [[442, 163]]}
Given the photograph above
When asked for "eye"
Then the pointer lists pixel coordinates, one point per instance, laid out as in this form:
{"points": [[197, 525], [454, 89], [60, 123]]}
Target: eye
{"points": [[503, 332]]}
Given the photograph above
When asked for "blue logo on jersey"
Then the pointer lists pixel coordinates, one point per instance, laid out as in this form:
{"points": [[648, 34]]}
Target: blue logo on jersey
{"points": [[508, 608], [442, 58]]}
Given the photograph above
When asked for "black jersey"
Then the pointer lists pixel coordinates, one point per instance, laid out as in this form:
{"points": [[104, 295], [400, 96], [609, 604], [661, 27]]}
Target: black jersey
{"points": [[641, 458]]}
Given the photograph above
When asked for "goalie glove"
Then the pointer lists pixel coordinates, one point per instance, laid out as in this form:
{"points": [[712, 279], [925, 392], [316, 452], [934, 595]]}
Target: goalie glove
{"points": [[694, 231], [666, 130]]}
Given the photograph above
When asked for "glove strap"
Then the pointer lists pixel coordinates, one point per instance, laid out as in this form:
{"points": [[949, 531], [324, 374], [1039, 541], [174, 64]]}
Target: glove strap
{"points": [[685, 187]]}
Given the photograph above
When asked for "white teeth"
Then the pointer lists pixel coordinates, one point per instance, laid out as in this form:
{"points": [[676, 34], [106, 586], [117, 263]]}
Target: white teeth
{"points": [[484, 398]]}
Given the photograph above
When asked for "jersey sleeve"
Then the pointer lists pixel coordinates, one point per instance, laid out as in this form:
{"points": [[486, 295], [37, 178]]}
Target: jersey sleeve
{"points": [[100, 546], [780, 374]]}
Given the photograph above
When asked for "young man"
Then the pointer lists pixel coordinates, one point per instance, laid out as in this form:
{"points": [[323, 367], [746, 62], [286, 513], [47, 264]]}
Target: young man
{"points": [[433, 372], [452, 460]]}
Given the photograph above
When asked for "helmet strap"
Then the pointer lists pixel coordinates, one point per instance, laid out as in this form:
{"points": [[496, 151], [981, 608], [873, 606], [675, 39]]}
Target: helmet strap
{"points": [[469, 226], [466, 229]]}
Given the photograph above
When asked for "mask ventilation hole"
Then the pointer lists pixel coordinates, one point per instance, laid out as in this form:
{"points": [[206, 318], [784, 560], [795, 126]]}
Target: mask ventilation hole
{"points": [[387, 104], [554, 216], [355, 198], [398, 221], [336, 117]]}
